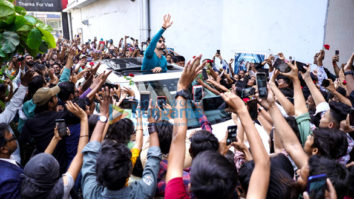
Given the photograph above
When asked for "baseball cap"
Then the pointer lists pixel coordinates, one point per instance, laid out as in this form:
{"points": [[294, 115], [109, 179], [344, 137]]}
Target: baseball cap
{"points": [[44, 94]]}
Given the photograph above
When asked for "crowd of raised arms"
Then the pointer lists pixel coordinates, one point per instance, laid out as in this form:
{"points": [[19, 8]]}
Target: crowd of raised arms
{"points": [[294, 138]]}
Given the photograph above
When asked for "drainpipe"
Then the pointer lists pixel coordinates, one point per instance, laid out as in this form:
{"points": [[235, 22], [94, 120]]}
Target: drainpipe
{"points": [[148, 19]]}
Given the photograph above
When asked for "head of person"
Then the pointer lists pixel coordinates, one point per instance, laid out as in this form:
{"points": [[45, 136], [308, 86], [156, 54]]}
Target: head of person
{"points": [[36, 83], [241, 73], [41, 69], [332, 117], [121, 131], [164, 130], [8, 142], [281, 184], [113, 166], [310, 103], [180, 61], [283, 81], [336, 172], [212, 176], [169, 58], [57, 68], [3, 89], [46, 99], [67, 91], [83, 59], [29, 60], [326, 142], [161, 44], [41, 178], [202, 140]]}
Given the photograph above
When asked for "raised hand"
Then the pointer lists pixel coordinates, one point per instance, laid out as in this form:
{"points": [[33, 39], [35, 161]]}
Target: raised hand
{"points": [[156, 70], [190, 72], [105, 101], [233, 101], [167, 21], [76, 110], [348, 66], [293, 74]]}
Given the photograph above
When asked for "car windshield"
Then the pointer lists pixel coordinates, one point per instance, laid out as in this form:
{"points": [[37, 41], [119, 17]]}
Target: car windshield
{"points": [[168, 88]]}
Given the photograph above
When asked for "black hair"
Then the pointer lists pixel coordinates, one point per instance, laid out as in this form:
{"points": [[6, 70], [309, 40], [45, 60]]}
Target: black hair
{"points": [[350, 191], [202, 140], [336, 172], [113, 165], [338, 111], [3, 128], [38, 67], [281, 184], [164, 129], [36, 83], [138, 168], [331, 143], [212, 176], [66, 89], [70, 118], [121, 131]]}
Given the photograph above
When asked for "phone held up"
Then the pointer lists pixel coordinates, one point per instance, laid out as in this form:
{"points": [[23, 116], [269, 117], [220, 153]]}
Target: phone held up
{"points": [[316, 183], [197, 93], [262, 84], [231, 134], [161, 101], [144, 100], [61, 126]]}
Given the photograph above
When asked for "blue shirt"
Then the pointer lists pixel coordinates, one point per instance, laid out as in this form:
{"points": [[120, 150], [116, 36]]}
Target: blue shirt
{"points": [[151, 60], [144, 188]]}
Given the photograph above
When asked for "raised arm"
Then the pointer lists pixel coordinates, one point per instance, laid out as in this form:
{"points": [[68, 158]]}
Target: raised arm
{"points": [[259, 181], [104, 111], [349, 77], [76, 164], [178, 145], [287, 105], [315, 92], [341, 98]]}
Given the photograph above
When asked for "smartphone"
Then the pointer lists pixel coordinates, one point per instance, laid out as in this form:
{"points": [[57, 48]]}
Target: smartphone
{"points": [[144, 100], [161, 101], [281, 66], [336, 52], [351, 118], [300, 66], [218, 52], [61, 125], [214, 103], [325, 83], [246, 92], [262, 84], [231, 134], [316, 183], [197, 93], [129, 104], [205, 74]]}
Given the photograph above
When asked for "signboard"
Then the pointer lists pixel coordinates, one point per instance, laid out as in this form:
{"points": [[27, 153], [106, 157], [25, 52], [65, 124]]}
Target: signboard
{"points": [[241, 60], [41, 5]]}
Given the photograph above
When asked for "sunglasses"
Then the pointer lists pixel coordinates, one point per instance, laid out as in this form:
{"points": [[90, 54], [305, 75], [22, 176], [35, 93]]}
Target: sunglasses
{"points": [[160, 41]]}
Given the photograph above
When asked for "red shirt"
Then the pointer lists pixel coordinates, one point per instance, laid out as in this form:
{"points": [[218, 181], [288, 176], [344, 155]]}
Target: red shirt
{"points": [[175, 189]]}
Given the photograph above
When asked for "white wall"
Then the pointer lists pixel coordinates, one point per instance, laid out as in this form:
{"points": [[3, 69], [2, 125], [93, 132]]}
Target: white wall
{"points": [[108, 19], [295, 27], [340, 30]]}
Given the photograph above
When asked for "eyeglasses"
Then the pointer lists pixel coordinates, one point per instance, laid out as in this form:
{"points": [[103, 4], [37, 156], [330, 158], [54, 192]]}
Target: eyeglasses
{"points": [[160, 41]]}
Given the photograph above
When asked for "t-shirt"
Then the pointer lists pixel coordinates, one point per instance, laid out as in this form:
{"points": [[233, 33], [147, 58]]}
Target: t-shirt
{"points": [[68, 186], [175, 189], [304, 125]]}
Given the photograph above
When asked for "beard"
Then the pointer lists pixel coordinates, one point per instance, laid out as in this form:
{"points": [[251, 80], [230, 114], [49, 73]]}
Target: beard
{"points": [[30, 63]]}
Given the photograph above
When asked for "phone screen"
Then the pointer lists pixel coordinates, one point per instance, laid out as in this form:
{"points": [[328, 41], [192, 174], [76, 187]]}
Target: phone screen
{"points": [[262, 85], [337, 52], [231, 134], [161, 101], [129, 104], [144, 101], [218, 52], [198, 93], [281, 66], [316, 183]]}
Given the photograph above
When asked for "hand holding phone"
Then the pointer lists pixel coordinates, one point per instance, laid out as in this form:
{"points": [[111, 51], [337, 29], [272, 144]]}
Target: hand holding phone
{"points": [[197, 93], [144, 100], [61, 127], [316, 184], [262, 84], [161, 101]]}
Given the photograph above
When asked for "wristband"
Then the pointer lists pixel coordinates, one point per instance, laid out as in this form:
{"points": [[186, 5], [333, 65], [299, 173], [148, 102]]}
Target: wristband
{"points": [[348, 73], [152, 128], [163, 28]]}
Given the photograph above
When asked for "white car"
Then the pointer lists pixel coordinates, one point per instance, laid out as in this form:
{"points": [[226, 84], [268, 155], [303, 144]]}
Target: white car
{"points": [[161, 84]]}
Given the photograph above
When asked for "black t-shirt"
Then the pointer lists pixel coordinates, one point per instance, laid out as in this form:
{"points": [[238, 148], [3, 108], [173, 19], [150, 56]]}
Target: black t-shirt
{"points": [[41, 129]]}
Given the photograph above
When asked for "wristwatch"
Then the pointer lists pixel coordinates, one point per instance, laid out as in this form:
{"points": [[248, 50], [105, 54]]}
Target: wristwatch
{"points": [[102, 118], [183, 93], [349, 73]]}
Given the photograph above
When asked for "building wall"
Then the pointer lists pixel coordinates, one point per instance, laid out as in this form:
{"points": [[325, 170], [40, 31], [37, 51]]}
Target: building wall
{"points": [[340, 30], [295, 27]]}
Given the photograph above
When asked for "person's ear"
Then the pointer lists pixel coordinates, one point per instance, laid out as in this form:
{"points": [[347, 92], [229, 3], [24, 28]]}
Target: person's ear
{"points": [[330, 125], [71, 96], [314, 151]]}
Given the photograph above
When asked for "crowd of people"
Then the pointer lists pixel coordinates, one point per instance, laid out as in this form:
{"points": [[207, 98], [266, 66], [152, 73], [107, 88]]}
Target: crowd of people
{"points": [[63, 134]]}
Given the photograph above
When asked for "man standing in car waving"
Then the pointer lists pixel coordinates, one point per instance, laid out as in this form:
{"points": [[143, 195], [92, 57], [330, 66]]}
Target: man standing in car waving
{"points": [[154, 61]]}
